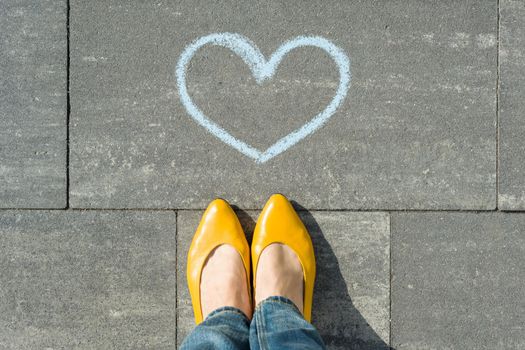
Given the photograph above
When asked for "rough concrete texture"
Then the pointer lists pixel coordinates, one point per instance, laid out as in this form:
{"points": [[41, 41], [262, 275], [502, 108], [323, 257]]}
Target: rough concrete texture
{"points": [[87, 280], [433, 124], [458, 281], [33, 59], [512, 106], [351, 302], [416, 130]]}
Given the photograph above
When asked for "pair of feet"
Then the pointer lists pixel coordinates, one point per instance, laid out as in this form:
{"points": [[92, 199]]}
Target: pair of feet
{"points": [[223, 279]]}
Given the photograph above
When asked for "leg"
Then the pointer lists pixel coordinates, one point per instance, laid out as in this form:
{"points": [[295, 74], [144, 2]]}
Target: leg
{"points": [[278, 324], [226, 328]]}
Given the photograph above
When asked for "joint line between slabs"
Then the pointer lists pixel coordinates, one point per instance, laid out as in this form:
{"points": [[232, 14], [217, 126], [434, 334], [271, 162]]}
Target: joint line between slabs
{"points": [[319, 210], [497, 103], [390, 279], [68, 102], [176, 275]]}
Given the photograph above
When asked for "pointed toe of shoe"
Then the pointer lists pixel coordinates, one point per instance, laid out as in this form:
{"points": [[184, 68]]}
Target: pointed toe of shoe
{"points": [[219, 225]]}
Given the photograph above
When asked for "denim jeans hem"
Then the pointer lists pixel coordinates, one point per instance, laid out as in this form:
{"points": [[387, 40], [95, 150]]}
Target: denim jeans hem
{"points": [[278, 299], [227, 309], [277, 324]]}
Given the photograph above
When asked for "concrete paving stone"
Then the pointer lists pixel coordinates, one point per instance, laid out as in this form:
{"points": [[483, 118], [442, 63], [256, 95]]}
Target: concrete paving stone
{"points": [[416, 130], [512, 106], [87, 280], [33, 107], [458, 280], [352, 297]]}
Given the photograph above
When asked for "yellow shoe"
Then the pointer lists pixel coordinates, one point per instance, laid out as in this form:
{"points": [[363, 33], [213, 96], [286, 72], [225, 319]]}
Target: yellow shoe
{"points": [[219, 225], [279, 223]]}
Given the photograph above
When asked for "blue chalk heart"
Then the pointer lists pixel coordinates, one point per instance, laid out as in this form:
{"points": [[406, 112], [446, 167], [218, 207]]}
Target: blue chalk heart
{"points": [[263, 70]]}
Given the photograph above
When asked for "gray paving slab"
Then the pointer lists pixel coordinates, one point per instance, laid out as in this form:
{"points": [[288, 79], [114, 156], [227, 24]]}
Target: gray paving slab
{"points": [[416, 130], [352, 297], [458, 281], [512, 106], [33, 104], [87, 280]]}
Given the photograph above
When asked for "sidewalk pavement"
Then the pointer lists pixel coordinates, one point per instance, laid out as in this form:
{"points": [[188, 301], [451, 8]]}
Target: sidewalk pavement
{"points": [[413, 189]]}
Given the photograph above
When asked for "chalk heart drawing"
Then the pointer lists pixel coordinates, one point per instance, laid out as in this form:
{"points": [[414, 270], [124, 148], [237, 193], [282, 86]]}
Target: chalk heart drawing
{"points": [[262, 70]]}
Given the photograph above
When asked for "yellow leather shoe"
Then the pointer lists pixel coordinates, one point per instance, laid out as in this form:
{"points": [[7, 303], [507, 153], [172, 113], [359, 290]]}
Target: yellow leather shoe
{"points": [[279, 223], [219, 225]]}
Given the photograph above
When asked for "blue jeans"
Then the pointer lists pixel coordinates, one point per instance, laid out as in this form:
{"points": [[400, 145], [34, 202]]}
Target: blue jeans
{"points": [[276, 324]]}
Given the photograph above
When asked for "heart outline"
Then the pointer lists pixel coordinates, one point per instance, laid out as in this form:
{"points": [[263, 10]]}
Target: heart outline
{"points": [[262, 70]]}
